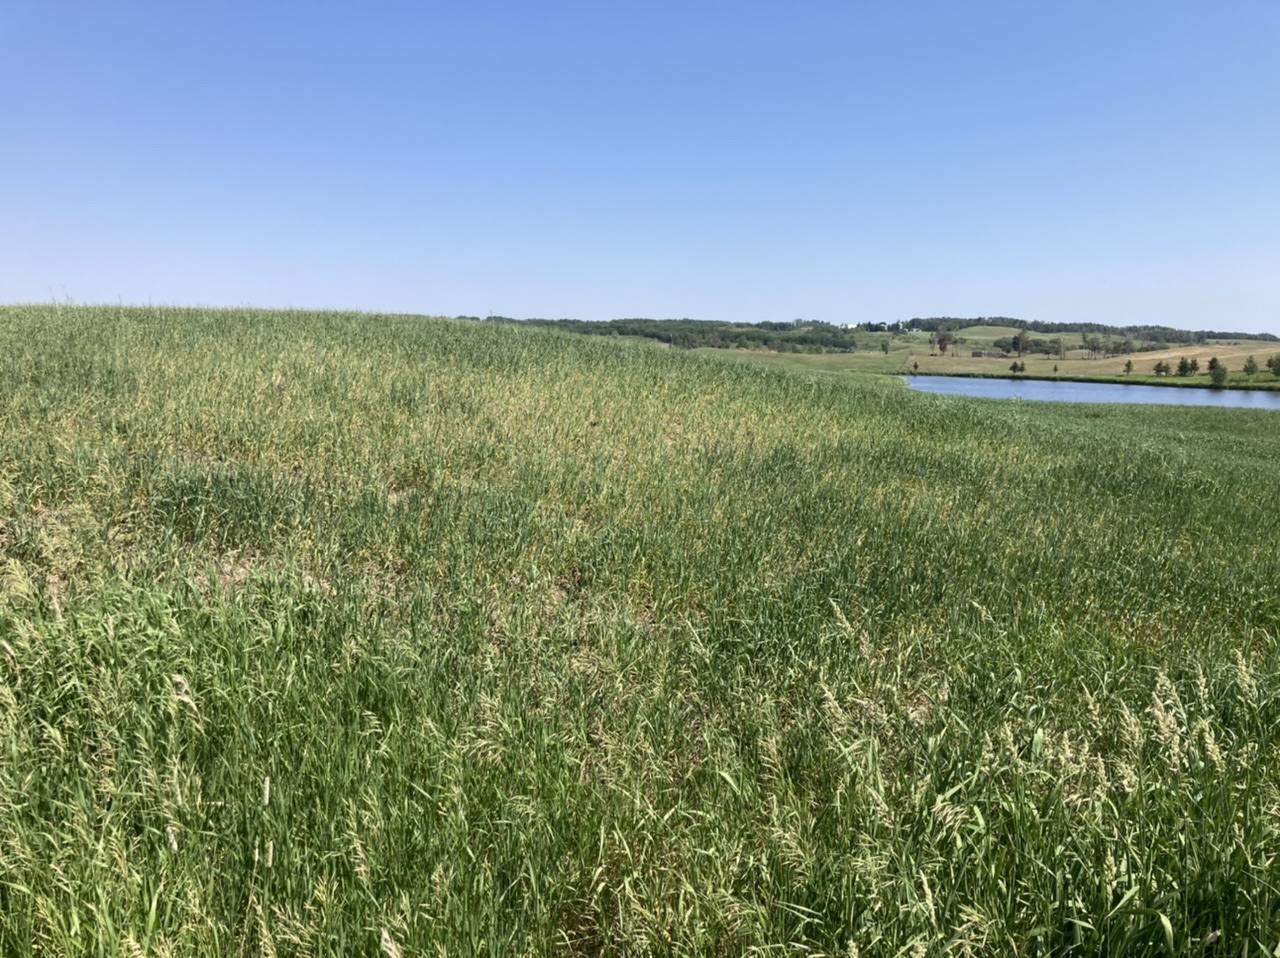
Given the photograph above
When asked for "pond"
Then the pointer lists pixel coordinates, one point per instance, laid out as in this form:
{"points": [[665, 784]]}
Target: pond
{"points": [[1042, 390]]}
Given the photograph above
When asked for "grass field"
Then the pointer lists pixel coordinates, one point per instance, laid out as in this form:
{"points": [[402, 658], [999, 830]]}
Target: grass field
{"points": [[332, 634], [912, 352], [982, 334]]}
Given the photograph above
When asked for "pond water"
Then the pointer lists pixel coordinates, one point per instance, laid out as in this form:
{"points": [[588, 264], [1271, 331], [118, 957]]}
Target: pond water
{"points": [[1041, 390]]}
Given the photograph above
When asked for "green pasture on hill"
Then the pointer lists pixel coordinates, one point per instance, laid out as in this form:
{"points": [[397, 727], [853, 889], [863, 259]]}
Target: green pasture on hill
{"points": [[332, 634]]}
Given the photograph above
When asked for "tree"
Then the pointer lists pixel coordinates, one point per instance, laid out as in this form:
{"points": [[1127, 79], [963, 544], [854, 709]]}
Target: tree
{"points": [[884, 345], [944, 339], [915, 365], [1274, 365], [1055, 369], [1217, 374], [1184, 366], [1128, 367], [1213, 365], [1060, 348], [1013, 367], [1250, 367], [1195, 366], [1161, 368], [1021, 342]]}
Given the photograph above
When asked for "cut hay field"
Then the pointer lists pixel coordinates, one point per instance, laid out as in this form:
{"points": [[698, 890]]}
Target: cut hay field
{"points": [[332, 634], [1233, 353]]}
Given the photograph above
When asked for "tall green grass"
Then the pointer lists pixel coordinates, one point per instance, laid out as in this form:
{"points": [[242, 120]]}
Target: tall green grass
{"points": [[336, 634]]}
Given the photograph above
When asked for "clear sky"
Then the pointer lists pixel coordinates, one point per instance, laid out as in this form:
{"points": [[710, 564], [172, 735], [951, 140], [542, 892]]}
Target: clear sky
{"points": [[1112, 161]]}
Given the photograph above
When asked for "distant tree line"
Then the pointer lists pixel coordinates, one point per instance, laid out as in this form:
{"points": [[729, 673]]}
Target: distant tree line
{"points": [[1024, 343], [896, 327], [807, 335], [1217, 369], [801, 335], [1147, 333]]}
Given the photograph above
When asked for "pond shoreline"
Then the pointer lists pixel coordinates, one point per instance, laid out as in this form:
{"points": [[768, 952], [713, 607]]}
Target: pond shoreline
{"points": [[1159, 381], [1026, 389]]}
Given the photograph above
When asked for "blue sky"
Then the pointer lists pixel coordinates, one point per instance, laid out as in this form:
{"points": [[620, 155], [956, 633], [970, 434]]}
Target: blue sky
{"points": [[1117, 162]]}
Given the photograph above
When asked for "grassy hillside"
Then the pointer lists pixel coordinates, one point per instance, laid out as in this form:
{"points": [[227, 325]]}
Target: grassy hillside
{"points": [[981, 335], [343, 634]]}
